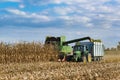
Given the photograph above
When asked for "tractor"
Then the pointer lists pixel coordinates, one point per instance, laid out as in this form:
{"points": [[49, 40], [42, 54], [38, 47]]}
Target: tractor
{"points": [[82, 50]]}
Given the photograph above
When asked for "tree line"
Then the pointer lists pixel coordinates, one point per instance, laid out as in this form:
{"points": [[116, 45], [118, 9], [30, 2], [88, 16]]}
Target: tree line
{"points": [[114, 48]]}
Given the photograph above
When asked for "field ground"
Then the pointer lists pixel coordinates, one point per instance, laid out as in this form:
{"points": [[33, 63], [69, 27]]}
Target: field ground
{"points": [[60, 71], [107, 69]]}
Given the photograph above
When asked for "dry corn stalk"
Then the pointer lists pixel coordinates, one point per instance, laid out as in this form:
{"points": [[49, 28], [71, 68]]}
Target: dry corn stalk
{"points": [[26, 52]]}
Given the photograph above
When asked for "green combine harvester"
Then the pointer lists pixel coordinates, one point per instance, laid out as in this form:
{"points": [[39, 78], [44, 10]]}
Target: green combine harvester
{"points": [[91, 50]]}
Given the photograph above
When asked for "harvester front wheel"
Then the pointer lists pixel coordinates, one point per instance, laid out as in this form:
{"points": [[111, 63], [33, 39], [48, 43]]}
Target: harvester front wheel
{"points": [[60, 56]]}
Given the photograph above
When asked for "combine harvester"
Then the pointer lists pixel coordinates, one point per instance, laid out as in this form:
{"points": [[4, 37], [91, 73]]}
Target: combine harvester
{"points": [[91, 50]]}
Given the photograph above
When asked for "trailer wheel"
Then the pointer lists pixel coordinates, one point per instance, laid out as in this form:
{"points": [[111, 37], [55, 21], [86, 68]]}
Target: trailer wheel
{"points": [[99, 58], [95, 59], [89, 58]]}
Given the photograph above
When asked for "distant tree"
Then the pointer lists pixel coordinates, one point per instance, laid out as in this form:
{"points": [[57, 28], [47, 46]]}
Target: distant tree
{"points": [[118, 46], [108, 49], [113, 49], [119, 43]]}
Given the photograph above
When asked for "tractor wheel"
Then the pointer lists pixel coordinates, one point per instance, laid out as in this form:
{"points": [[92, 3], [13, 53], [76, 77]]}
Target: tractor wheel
{"points": [[76, 59], [84, 60], [89, 58]]}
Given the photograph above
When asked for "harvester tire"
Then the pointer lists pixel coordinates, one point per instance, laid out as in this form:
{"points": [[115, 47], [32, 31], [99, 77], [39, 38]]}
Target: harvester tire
{"points": [[89, 58], [60, 57]]}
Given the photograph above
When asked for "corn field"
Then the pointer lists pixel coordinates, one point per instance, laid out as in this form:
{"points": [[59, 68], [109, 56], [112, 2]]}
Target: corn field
{"points": [[112, 56], [26, 52], [31, 61]]}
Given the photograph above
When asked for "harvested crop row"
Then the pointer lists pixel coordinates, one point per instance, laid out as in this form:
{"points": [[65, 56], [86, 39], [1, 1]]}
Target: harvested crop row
{"points": [[58, 71]]}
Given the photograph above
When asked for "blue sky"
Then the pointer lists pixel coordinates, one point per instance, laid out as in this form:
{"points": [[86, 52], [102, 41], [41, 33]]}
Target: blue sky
{"points": [[33, 20]]}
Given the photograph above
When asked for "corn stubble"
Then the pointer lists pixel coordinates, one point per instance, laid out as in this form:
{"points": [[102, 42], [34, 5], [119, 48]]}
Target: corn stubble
{"points": [[60, 71], [112, 56]]}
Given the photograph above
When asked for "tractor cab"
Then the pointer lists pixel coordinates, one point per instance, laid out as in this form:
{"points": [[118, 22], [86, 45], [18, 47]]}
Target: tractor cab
{"points": [[79, 51]]}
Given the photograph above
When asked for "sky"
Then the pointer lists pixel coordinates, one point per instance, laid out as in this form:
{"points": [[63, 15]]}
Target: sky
{"points": [[33, 20]]}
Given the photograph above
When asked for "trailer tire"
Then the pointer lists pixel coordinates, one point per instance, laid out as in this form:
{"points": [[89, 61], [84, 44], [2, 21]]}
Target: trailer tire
{"points": [[95, 59], [99, 58]]}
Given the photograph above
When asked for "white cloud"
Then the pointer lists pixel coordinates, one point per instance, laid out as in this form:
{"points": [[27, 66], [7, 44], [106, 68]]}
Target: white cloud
{"points": [[65, 17], [81, 19], [105, 9], [39, 18], [46, 2], [36, 17], [68, 2], [11, 0], [106, 25], [21, 6], [63, 10], [117, 1], [71, 2], [57, 1], [90, 25], [79, 33], [75, 20], [17, 12], [85, 19]]}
